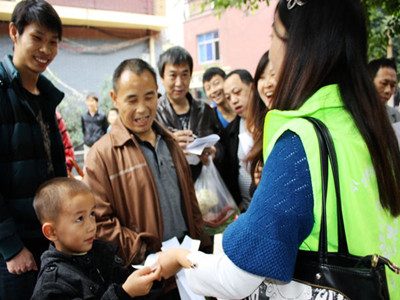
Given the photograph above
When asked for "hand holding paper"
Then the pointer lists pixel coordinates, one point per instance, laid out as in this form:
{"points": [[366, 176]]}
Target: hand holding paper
{"points": [[198, 145], [195, 149], [173, 258]]}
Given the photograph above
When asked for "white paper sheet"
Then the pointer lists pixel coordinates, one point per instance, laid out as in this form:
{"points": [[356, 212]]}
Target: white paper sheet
{"points": [[198, 145]]}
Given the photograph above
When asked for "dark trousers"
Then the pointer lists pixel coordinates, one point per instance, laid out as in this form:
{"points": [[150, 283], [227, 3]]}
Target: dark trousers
{"points": [[20, 287]]}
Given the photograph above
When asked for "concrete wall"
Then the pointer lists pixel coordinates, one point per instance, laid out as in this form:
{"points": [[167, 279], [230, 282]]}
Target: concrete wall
{"points": [[85, 72]]}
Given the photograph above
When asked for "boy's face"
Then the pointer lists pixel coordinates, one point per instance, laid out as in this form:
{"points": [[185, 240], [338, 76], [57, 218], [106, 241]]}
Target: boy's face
{"points": [[35, 49], [75, 228], [176, 80], [136, 100], [214, 89]]}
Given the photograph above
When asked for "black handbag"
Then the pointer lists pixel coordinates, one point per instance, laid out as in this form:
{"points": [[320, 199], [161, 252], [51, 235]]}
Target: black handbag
{"points": [[331, 275]]}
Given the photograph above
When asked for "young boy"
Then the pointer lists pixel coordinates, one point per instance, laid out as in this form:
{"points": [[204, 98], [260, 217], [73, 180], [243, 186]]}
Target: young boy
{"points": [[76, 265]]}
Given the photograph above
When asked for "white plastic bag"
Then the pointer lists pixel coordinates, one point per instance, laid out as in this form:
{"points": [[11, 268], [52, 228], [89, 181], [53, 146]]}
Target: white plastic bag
{"points": [[215, 201]]}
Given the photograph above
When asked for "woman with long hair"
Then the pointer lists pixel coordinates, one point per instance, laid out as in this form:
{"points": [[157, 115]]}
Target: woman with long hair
{"points": [[264, 87], [318, 50]]}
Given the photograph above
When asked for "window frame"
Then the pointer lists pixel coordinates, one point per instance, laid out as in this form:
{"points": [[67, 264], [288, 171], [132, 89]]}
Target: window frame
{"points": [[215, 49]]}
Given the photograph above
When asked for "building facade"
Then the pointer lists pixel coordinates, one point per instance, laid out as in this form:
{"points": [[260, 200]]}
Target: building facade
{"points": [[234, 40]]}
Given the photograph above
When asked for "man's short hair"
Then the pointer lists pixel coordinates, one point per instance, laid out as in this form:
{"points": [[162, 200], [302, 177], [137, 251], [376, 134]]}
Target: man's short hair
{"points": [[375, 65], [41, 12], [211, 72], [136, 66], [175, 56], [93, 95], [51, 195], [244, 75]]}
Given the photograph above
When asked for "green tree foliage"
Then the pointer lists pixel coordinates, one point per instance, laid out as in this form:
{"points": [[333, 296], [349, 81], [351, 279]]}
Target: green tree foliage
{"points": [[71, 110], [383, 20]]}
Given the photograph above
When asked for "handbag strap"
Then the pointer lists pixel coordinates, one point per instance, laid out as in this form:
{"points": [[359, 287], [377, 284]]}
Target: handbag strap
{"points": [[327, 150]]}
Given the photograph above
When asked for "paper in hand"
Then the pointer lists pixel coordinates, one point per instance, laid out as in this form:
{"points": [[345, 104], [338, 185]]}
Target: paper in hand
{"points": [[198, 145]]}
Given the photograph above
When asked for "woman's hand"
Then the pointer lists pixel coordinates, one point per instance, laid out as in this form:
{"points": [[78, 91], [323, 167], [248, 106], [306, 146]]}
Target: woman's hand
{"points": [[172, 261], [257, 172]]}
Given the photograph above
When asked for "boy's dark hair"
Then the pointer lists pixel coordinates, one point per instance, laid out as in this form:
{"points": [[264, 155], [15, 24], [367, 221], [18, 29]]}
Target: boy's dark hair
{"points": [[244, 75], [375, 65], [51, 195], [211, 72], [175, 56], [136, 66], [36, 11], [93, 95]]}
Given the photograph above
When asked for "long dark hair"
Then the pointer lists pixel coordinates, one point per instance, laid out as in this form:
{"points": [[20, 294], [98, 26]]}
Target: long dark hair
{"points": [[326, 43], [255, 124]]}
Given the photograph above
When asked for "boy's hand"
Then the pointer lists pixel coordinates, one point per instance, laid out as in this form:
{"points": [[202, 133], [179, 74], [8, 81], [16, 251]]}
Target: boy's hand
{"points": [[140, 282], [22, 262]]}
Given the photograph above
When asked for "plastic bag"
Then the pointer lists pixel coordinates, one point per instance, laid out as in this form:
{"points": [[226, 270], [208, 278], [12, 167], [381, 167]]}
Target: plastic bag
{"points": [[216, 203]]}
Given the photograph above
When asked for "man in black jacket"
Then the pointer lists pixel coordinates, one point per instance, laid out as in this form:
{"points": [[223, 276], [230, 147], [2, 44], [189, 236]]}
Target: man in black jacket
{"points": [[94, 123], [178, 111], [236, 139]]}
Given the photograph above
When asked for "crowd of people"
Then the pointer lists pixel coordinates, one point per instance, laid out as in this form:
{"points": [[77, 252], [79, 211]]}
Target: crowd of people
{"points": [[63, 238]]}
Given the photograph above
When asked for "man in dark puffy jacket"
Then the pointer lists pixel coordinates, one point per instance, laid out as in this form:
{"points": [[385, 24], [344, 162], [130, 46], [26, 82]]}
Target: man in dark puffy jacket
{"points": [[31, 150]]}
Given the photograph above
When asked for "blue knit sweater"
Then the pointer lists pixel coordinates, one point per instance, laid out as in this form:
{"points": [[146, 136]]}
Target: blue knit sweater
{"points": [[265, 239]]}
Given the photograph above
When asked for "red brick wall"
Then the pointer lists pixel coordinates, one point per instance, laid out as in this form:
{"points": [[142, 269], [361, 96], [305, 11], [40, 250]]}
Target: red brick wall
{"points": [[243, 38]]}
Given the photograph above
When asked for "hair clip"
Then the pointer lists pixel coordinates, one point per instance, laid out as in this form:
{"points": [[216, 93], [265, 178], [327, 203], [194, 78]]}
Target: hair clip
{"points": [[292, 3]]}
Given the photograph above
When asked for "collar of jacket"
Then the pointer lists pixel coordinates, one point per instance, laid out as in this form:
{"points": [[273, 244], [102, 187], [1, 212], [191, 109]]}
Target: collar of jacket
{"points": [[120, 135], [163, 100], [13, 78], [233, 127], [100, 248]]}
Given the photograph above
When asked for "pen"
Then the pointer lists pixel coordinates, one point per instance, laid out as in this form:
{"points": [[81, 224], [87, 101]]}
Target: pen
{"points": [[174, 130]]}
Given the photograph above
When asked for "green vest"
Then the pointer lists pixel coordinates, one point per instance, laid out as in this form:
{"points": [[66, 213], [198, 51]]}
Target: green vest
{"points": [[369, 228]]}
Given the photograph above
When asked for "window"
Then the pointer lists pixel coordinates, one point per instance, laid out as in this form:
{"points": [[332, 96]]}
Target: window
{"points": [[208, 45]]}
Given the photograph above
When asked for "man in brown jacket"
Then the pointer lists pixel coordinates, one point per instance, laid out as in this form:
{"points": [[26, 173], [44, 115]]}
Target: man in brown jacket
{"points": [[139, 174]]}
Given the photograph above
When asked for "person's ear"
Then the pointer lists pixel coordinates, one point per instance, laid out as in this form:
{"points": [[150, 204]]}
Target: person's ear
{"points": [[13, 32], [49, 231], [113, 96]]}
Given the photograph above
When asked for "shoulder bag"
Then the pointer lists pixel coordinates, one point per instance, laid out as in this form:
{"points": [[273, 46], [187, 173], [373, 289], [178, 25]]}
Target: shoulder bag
{"points": [[330, 275]]}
